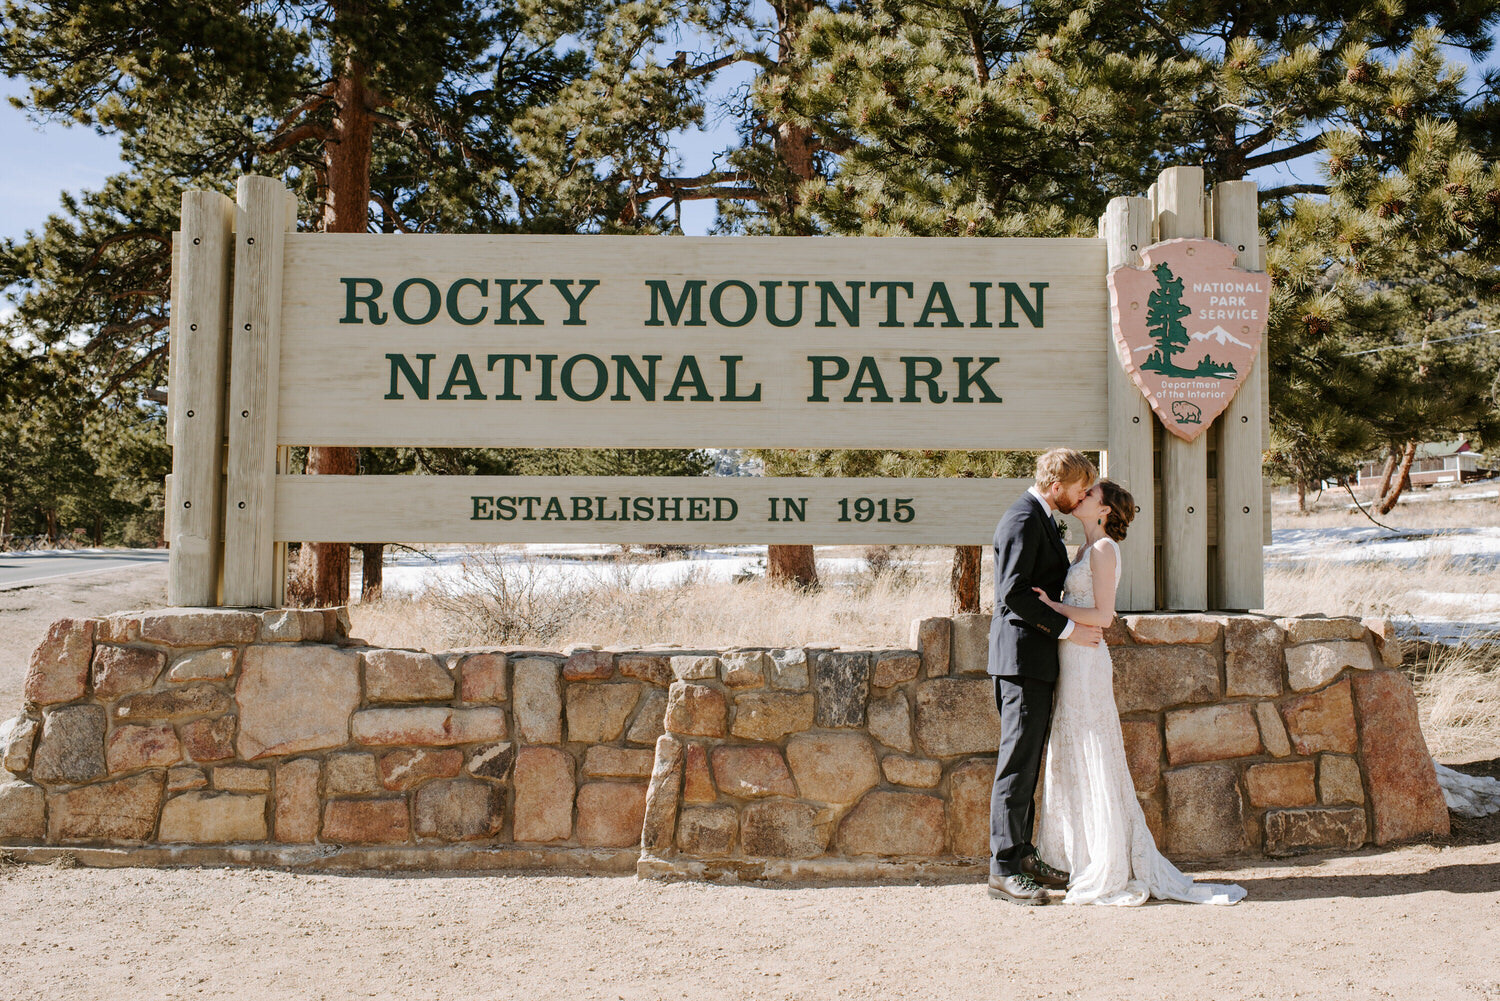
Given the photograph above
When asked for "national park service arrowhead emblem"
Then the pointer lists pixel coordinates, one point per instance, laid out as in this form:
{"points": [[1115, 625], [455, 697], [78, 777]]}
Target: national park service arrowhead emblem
{"points": [[1187, 328]]}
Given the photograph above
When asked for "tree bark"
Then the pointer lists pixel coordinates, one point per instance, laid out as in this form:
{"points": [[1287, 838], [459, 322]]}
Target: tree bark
{"points": [[795, 149], [791, 565], [1402, 479], [1385, 475], [963, 581], [372, 571], [98, 530], [346, 209], [7, 505], [1301, 496]]}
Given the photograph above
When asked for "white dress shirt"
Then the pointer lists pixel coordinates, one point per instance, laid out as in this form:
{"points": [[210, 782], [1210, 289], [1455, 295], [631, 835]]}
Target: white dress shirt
{"points": [[1033, 491]]}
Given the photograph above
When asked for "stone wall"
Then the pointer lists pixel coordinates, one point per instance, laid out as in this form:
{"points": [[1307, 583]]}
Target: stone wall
{"points": [[190, 736]]}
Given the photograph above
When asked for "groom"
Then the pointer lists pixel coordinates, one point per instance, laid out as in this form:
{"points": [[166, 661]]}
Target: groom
{"points": [[1024, 634]]}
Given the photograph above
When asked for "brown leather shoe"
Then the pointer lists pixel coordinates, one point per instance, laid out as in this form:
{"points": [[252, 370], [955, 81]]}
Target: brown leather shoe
{"points": [[1018, 889], [1053, 879]]}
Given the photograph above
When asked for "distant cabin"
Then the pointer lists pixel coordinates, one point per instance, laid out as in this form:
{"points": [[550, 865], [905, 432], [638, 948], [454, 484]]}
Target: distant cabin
{"points": [[1436, 462]]}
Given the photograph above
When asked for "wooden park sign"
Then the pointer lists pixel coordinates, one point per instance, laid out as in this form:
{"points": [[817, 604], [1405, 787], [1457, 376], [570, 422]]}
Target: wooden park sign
{"points": [[577, 341]]}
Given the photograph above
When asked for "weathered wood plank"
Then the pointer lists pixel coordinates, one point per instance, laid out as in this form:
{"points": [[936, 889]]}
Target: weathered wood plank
{"points": [[1126, 232], [690, 510], [1184, 512], [1241, 563], [200, 339], [249, 554]]}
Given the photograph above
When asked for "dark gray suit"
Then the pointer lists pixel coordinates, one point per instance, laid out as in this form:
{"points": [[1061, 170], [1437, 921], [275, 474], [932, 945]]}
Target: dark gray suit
{"points": [[1029, 552]]}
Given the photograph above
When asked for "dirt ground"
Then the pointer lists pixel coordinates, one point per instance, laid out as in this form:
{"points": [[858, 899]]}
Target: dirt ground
{"points": [[1411, 923]]}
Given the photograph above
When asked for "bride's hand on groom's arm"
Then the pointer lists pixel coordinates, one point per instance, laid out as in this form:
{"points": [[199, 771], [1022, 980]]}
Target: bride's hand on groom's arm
{"points": [[1083, 634]]}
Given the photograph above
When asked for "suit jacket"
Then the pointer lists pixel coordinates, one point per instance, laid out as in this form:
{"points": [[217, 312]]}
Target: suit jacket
{"points": [[1029, 552]]}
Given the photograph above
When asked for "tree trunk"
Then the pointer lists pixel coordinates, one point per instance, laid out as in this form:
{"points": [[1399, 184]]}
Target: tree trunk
{"points": [[346, 209], [1385, 475], [372, 572], [98, 530], [791, 565], [7, 506], [1301, 496], [1402, 480], [51, 517], [963, 581], [795, 149]]}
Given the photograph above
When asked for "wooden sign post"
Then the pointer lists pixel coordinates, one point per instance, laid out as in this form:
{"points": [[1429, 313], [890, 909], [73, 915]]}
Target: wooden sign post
{"points": [[578, 341]]}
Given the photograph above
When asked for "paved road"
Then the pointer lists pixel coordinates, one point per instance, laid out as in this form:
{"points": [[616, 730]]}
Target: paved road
{"points": [[19, 569]]}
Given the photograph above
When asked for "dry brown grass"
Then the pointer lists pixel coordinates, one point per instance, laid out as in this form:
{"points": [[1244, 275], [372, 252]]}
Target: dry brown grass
{"points": [[1458, 700], [865, 609]]}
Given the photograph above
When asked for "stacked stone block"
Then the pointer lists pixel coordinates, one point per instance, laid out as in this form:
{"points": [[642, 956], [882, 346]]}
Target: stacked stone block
{"points": [[196, 735], [213, 727]]}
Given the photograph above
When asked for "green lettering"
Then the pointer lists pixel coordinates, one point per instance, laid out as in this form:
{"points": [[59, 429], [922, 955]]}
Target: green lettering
{"points": [[777, 321], [965, 380], [546, 393], [352, 298], [689, 373], [850, 309], [730, 379], [462, 373], [418, 385], [645, 384], [601, 378], [1013, 295], [867, 376], [517, 300], [840, 370], [563, 285], [939, 291], [934, 366], [981, 290], [482, 510], [692, 292], [483, 285], [434, 301], [510, 373], [890, 299], [715, 303]]}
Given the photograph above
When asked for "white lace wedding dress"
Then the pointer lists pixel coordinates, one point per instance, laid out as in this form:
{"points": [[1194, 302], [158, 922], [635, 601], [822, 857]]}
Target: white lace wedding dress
{"points": [[1090, 822]]}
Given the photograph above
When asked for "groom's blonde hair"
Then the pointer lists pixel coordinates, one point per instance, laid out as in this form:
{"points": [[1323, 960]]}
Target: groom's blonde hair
{"points": [[1063, 465]]}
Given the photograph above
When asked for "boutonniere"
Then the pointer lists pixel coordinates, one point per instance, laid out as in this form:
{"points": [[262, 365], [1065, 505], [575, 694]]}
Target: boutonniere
{"points": [[1062, 528]]}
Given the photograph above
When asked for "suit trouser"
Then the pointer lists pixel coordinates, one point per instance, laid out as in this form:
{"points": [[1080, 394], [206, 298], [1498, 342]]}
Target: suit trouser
{"points": [[1025, 706]]}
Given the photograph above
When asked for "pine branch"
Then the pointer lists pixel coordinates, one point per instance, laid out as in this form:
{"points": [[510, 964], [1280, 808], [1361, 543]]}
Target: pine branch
{"points": [[312, 104], [1295, 189], [714, 65], [390, 211], [307, 130], [1287, 153]]}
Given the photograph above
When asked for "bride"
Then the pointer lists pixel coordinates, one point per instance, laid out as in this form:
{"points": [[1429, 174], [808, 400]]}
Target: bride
{"points": [[1090, 820]]}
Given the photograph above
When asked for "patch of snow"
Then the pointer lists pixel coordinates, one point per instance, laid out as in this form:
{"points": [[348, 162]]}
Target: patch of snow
{"points": [[1468, 795], [1359, 544]]}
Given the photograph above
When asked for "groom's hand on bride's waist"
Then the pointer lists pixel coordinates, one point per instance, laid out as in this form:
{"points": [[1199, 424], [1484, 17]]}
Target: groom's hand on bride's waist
{"points": [[1085, 635]]}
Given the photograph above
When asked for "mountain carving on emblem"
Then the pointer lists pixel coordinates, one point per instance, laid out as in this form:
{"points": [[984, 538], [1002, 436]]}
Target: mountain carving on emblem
{"points": [[1188, 324]]}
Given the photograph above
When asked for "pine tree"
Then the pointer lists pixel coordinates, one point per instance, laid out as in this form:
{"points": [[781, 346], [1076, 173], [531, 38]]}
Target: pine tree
{"points": [[1164, 313], [393, 117]]}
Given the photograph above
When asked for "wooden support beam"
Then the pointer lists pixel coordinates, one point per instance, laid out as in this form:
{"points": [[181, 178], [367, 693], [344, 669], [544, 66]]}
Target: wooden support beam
{"points": [[249, 545], [200, 339], [1184, 512], [1240, 577], [1126, 229]]}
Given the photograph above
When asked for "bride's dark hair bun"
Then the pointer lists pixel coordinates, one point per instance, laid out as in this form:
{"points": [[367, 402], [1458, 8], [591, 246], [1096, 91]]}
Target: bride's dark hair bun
{"points": [[1119, 509]]}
